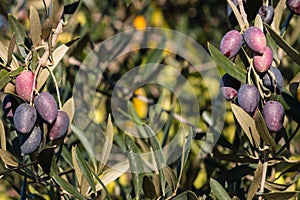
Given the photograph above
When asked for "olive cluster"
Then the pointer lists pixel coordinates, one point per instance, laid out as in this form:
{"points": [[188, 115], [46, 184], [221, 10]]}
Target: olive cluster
{"points": [[247, 95], [29, 116]]}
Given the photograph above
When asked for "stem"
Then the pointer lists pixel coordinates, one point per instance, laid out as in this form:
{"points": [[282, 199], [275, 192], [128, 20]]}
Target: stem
{"points": [[56, 87], [23, 190], [286, 23], [264, 170], [243, 14]]}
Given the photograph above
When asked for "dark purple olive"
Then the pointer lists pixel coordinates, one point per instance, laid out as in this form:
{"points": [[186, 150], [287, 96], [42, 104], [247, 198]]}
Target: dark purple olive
{"points": [[231, 43], [271, 83], [32, 142], [294, 6], [60, 126], [255, 39], [25, 118], [229, 87], [273, 113], [262, 62], [248, 98], [266, 13], [46, 106]]}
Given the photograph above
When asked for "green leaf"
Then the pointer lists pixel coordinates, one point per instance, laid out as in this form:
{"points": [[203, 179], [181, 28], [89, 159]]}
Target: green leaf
{"points": [[8, 158], [69, 108], [5, 76], [107, 144], [20, 32], [278, 11], [4, 55], [263, 130], [67, 186], [149, 188], [255, 182], [2, 136], [218, 190], [11, 49], [136, 165], [187, 195], [228, 66], [57, 55], [247, 123], [170, 176], [85, 169], [35, 27], [289, 50], [67, 155], [45, 158]]}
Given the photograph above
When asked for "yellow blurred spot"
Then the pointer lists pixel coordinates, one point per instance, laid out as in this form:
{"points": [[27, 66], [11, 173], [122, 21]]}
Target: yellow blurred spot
{"points": [[157, 18], [229, 132], [140, 106], [201, 178], [64, 37], [111, 187], [100, 110], [140, 22], [123, 179], [80, 17], [280, 180]]}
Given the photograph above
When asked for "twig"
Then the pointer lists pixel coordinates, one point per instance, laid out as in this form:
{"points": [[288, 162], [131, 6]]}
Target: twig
{"points": [[243, 14], [56, 87], [264, 171]]}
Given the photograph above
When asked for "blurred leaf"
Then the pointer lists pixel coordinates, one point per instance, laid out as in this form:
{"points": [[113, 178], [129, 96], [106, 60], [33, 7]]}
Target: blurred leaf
{"points": [[20, 32], [278, 11], [218, 190], [47, 27], [67, 155], [134, 116], [170, 176], [277, 187], [289, 50], [187, 195], [291, 105], [255, 182], [2, 136], [69, 108], [45, 158], [280, 195], [158, 155], [57, 55], [136, 165], [4, 55], [235, 158], [263, 130], [113, 173], [11, 49], [227, 65], [8, 159], [85, 169], [35, 26], [102, 184], [71, 8], [107, 144], [64, 184], [149, 188], [247, 123], [128, 2]]}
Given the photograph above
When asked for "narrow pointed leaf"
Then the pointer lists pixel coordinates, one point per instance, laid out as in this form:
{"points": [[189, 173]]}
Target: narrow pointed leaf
{"points": [[218, 190], [4, 55], [11, 49], [149, 188], [20, 32], [255, 182], [35, 26], [227, 65], [170, 176], [280, 195], [2, 136], [8, 159]]}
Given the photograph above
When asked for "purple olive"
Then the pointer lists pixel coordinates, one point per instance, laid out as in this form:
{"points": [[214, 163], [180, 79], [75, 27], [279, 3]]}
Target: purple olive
{"points": [[272, 83], [25, 118], [229, 87], [248, 98], [60, 126], [32, 142], [231, 43], [46, 106], [294, 6], [262, 62], [255, 39], [266, 13], [273, 113], [24, 84]]}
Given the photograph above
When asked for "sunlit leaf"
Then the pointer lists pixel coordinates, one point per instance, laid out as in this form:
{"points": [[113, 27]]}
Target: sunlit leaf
{"points": [[289, 50], [255, 182], [2, 136], [35, 27], [247, 123], [236, 13], [227, 65], [4, 55], [69, 108], [218, 190], [278, 11], [57, 55], [8, 159], [263, 130]]}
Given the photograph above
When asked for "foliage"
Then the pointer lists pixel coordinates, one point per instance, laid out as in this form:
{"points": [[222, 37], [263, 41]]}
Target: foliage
{"points": [[55, 40]]}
